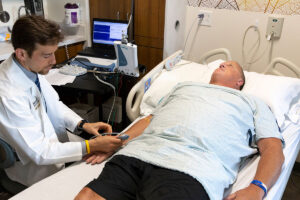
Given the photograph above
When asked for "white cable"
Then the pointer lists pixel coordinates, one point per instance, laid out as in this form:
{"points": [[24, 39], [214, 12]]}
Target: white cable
{"points": [[67, 52], [271, 48], [129, 21], [257, 43], [114, 89], [186, 39], [243, 45]]}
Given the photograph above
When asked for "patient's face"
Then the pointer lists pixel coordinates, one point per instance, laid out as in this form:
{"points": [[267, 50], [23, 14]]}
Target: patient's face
{"points": [[228, 74]]}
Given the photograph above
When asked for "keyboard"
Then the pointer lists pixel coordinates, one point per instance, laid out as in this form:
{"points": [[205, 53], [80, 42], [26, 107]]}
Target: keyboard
{"points": [[98, 53]]}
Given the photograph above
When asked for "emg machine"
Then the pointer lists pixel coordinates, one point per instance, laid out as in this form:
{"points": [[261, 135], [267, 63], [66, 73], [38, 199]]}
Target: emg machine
{"points": [[127, 62]]}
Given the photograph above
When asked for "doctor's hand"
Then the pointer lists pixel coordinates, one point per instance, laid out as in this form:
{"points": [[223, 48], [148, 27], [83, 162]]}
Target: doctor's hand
{"points": [[105, 144], [93, 128], [96, 157], [252, 192]]}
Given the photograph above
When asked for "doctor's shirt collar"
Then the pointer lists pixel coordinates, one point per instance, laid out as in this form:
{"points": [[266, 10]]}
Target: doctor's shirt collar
{"points": [[31, 75]]}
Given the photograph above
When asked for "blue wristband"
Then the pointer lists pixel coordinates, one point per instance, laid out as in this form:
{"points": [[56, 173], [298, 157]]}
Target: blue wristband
{"points": [[261, 185]]}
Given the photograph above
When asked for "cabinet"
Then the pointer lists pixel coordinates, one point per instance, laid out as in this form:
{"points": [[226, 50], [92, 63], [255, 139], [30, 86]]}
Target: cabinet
{"points": [[61, 53], [110, 9], [149, 18]]}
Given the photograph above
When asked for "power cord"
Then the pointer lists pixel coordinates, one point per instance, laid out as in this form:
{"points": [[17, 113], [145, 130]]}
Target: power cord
{"points": [[114, 98], [200, 17], [67, 52], [255, 48], [102, 81]]}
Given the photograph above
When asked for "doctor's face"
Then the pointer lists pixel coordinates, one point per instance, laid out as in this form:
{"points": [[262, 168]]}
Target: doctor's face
{"points": [[41, 60]]}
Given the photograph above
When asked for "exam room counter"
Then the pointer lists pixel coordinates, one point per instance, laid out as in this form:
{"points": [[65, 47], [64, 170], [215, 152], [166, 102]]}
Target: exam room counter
{"points": [[6, 48]]}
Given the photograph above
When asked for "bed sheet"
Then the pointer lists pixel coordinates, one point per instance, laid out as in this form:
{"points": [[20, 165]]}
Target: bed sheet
{"points": [[68, 182], [291, 136]]}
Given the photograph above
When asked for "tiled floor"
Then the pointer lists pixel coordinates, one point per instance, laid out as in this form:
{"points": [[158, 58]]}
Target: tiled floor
{"points": [[292, 191]]}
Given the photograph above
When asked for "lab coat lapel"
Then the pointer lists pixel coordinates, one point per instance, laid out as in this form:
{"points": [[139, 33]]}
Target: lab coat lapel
{"points": [[54, 110], [53, 120]]}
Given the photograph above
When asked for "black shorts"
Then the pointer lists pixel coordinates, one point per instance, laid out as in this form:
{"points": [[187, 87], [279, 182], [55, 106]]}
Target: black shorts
{"points": [[127, 178]]}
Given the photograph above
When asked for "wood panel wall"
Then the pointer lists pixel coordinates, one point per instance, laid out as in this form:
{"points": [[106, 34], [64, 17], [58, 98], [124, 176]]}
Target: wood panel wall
{"points": [[149, 17]]}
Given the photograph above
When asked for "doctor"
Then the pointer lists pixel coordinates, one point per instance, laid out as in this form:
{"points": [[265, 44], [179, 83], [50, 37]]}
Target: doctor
{"points": [[32, 119]]}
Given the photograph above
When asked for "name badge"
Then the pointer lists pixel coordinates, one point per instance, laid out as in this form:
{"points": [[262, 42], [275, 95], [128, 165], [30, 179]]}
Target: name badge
{"points": [[36, 103]]}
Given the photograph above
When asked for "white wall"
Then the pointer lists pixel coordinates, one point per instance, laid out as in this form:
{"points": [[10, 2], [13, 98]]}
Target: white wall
{"points": [[54, 10], [175, 12], [227, 31], [12, 6]]}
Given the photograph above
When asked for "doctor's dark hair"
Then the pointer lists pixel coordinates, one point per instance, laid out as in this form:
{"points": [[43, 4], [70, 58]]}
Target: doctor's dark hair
{"points": [[31, 30]]}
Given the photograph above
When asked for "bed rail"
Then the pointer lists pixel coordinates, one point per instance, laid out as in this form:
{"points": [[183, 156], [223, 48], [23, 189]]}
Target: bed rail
{"points": [[136, 94], [138, 90], [271, 67], [203, 59]]}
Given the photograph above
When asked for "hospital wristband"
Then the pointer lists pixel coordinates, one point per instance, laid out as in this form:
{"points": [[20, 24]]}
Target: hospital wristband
{"points": [[88, 150], [261, 185]]}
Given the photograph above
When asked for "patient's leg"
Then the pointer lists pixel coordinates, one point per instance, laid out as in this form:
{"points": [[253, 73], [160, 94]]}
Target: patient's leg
{"points": [[88, 194]]}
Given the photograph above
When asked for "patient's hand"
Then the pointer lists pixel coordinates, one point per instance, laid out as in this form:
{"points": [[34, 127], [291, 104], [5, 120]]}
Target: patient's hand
{"points": [[251, 192], [96, 157]]}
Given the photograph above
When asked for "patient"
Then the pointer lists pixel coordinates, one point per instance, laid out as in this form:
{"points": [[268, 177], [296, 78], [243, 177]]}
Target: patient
{"points": [[193, 144]]}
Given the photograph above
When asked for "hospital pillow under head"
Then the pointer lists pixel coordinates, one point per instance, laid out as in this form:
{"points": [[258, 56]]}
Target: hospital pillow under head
{"points": [[186, 71], [277, 92], [293, 115]]}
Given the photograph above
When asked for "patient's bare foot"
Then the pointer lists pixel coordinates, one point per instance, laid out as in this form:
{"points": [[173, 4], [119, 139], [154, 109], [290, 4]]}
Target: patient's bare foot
{"points": [[88, 194]]}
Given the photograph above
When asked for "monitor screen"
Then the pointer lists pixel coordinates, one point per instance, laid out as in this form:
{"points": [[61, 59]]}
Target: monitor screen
{"points": [[106, 32]]}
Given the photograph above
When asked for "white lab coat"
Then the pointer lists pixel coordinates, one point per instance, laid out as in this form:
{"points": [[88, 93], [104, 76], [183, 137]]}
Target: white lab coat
{"points": [[30, 130]]}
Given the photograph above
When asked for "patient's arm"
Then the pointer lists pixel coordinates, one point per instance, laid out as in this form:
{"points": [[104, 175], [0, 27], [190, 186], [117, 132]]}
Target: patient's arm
{"points": [[97, 157], [138, 128], [134, 131], [268, 170]]}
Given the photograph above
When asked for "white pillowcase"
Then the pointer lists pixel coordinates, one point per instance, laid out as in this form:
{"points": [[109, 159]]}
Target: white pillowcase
{"points": [[187, 71], [293, 115], [276, 91]]}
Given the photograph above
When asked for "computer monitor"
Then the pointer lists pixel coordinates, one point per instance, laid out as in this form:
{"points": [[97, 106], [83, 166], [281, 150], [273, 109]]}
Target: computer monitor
{"points": [[105, 31]]}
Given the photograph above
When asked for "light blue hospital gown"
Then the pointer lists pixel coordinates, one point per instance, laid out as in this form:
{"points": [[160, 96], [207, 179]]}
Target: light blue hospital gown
{"points": [[202, 130]]}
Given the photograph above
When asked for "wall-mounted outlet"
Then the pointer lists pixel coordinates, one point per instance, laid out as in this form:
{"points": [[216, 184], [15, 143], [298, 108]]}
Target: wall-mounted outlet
{"points": [[206, 21], [274, 27]]}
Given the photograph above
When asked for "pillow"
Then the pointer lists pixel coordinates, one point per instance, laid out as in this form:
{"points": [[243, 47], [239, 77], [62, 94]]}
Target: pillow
{"points": [[185, 71], [293, 114], [277, 92]]}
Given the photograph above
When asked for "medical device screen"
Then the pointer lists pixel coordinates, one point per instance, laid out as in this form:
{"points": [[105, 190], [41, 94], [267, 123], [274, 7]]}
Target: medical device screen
{"points": [[105, 32]]}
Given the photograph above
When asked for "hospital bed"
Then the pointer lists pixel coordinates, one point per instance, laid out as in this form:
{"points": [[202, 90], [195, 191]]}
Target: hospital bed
{"points": [[147, 92]]}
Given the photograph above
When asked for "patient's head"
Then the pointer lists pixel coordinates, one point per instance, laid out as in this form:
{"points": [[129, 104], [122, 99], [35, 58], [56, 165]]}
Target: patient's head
{"points": [[229, 74]]}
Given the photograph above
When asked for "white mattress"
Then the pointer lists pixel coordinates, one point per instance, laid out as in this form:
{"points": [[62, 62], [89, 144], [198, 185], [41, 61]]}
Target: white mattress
{"points": [[292, 145], [68, 182]]}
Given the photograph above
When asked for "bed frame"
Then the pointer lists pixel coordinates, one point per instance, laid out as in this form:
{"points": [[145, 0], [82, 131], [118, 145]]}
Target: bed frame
{"points": [[132, 108], [136, 94], [67, 183]]}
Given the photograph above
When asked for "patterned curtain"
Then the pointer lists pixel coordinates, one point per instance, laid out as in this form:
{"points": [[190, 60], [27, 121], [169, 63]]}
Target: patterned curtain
{"points": [[284, 7]]}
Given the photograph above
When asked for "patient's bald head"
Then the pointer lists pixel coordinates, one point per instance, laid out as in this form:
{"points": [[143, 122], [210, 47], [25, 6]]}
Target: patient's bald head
{"points": [[229, 74]]}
